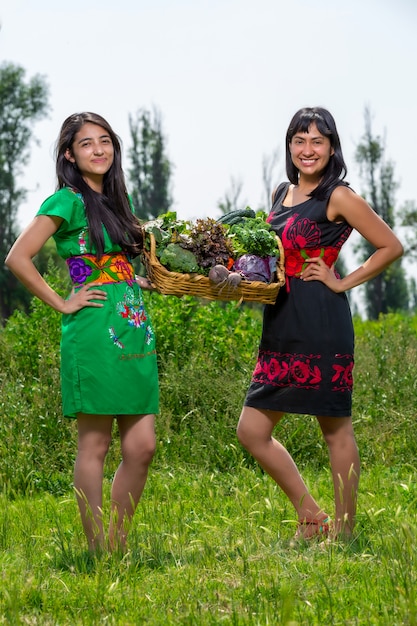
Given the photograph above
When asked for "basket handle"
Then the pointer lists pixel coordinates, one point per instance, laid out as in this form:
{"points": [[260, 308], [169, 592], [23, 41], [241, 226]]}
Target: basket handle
{"points": [[152, 243], [280, 263]]}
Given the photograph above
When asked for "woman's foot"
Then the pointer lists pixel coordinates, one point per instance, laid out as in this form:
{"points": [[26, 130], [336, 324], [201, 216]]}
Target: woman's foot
{"points": [[309, 529]]}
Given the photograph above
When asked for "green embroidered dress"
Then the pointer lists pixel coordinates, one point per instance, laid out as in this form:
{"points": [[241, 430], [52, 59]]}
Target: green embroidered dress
{"points": [[108, 356]]}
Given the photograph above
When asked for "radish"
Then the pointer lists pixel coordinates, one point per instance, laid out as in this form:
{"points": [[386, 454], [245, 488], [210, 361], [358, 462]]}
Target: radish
{"points": [[233, 280], [218, 274]]}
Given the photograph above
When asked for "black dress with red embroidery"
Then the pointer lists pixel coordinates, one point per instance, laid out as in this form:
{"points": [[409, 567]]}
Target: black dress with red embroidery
{"points": [[305, 358]]}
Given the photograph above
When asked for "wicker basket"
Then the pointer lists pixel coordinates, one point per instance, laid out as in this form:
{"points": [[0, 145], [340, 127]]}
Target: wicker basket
{"points": [[177, 284]]}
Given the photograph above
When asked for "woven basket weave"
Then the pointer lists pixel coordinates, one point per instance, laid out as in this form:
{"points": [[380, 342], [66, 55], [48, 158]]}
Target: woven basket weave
{"points": [[177, 284]]}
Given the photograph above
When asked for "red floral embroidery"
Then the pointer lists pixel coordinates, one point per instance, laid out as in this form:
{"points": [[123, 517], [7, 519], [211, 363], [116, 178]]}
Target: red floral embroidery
{"points": [[124, 311], [303, 234], [301, 240], [302, 371], [343, 374], [295, 260], [286, 242], [287, 370]]}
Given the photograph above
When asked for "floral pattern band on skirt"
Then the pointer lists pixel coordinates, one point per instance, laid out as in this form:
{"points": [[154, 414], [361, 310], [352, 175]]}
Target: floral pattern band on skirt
{"points": [[110, 268]]}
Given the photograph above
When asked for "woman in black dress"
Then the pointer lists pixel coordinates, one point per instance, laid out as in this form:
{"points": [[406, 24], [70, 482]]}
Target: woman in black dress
{"points": [[305, 358]]}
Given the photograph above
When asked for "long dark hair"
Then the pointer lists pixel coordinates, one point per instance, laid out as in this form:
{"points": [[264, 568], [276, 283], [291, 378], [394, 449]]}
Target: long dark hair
{"points": [[336, 169], [111, 208]]}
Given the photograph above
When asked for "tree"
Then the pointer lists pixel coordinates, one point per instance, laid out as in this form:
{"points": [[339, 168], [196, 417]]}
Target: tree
{"points": [[413, 296], [388, 291], [409, 220], [150, 172], [269, 179], [231, 201], [21, 105]]}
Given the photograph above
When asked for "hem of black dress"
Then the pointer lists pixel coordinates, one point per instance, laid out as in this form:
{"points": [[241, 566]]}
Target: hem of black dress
{"points": [[297, 411]]}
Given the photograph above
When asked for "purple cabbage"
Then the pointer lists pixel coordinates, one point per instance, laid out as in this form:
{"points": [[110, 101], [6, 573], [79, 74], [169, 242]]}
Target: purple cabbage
{"points": [[254, 267]]}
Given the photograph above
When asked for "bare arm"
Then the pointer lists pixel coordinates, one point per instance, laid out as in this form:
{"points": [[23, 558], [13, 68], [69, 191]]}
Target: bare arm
{"points": [[20, 262], [345, 204]]}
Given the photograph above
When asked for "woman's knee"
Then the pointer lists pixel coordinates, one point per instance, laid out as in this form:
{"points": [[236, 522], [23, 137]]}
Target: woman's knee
{"points": [[147, 451], [338, 432], [95, 447], [138, 440], [240, 434], [254, 428], [139, 452], [243, 433]]}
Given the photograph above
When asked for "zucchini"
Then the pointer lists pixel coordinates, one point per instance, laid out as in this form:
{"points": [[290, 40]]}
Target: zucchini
{"points": [[236, 216]]}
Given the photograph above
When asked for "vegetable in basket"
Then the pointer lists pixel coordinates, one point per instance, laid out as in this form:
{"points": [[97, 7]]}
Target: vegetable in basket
{"points": [[209, 243], [254, 267], [236, 216], [165, 228], [176, 259], [220, 275], [253, 236]]}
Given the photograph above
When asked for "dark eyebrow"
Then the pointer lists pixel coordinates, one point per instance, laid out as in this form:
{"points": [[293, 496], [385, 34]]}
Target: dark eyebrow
{"points": [[105, 136], [313, 137]]}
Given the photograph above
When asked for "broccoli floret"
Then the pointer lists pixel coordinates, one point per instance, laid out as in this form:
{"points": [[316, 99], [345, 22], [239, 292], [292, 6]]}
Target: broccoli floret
{"points": [[176, 259]]}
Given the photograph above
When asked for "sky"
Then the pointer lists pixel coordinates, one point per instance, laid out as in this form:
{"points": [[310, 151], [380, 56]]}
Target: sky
{"points": [[226, 77]]}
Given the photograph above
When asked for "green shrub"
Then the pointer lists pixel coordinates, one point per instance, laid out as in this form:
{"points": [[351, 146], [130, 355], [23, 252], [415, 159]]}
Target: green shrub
{"points": [[206, 353], [36, 443], [385, 391]]}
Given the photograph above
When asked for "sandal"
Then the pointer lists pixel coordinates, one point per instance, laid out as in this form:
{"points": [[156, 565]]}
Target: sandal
{"points": [[312, 529]]}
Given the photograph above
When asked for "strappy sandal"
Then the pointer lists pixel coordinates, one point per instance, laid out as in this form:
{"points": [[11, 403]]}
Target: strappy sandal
{"points": [[320, 529]]}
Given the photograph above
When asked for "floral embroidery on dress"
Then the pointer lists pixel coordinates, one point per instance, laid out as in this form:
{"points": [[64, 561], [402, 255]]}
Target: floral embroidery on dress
{"points": [[288, 370], [79, 270], [302, 234], [110, 268], [82, 241], [82, 237], [115, 338], [301, 371], [301, 241], [132, 309], [343, 374], [295, 260], [149, 335]]}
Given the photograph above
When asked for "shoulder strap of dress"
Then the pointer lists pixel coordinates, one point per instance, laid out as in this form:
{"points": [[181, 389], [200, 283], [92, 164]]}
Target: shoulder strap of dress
{"points": [[280, 192]]}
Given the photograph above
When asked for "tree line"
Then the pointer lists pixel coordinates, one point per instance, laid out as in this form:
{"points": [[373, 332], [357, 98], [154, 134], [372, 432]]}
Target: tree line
{"points": [[25, 101]]}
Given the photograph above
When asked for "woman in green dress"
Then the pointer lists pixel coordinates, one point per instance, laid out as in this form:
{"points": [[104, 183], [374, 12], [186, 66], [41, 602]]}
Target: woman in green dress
{"points": [[108, 357]]}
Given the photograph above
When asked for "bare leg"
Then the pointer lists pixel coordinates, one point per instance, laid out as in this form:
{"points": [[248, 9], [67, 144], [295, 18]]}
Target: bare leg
{"points": [[94, 437], [345, 463], [254, 432], [137, 436]]}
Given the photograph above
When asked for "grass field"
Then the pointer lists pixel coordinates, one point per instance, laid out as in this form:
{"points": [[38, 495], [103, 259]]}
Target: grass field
{"points": [[212, 549], [212, 538]]}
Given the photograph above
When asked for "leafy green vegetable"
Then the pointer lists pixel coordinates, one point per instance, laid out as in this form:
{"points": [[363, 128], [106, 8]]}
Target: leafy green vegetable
{"points": [[171, 223], [166, 228], [253, 236], [176, 259], [209, 242]]}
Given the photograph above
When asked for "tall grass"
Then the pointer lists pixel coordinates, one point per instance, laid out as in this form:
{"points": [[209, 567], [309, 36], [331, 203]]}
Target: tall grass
{"points": [[213, 548], [211, 542]]}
